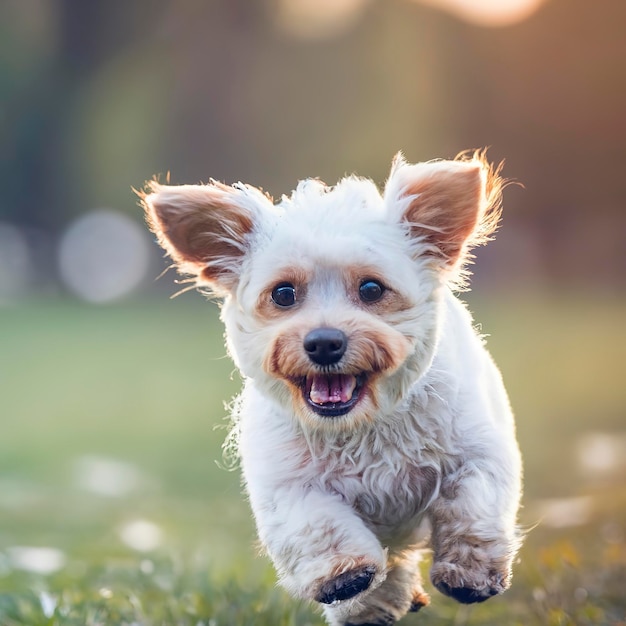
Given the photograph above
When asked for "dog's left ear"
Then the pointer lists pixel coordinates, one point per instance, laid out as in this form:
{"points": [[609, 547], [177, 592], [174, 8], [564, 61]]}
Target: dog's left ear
{"points": [[448, 206]]}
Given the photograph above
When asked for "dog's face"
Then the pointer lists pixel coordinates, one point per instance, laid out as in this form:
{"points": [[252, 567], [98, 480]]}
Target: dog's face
{"points": [[331, 314], [331, 298]]}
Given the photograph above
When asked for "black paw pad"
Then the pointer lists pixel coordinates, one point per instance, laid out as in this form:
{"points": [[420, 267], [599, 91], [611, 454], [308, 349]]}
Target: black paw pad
{"points": [[467, 595], [346, 585]]}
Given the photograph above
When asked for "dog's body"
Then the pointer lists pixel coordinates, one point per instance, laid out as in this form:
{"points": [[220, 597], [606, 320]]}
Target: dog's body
{"points": [[370, 403]]}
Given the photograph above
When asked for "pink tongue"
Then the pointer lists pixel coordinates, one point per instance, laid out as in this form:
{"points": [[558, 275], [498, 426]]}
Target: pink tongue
{"points": [[332, 388]]}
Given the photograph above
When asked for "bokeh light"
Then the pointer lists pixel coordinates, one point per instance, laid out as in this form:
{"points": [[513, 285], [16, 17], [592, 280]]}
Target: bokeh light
{"points": [[38, 560], [107, 477], [488, 12], [103, 256], [601, 454], [314, 19], [141, 535]]}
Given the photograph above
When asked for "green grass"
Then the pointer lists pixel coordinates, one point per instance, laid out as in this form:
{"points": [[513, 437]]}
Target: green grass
{"points": [[144, 384]]}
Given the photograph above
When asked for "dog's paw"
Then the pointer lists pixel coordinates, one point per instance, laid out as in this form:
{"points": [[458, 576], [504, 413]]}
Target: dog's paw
{"points": [[419, 600], [346, 585], [466, 586], [467, 595]]}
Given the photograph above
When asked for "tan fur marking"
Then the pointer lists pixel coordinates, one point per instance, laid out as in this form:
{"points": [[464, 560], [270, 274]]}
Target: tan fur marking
{"points": [[457, 203], [201, 227], [391, 302], [371, 350], [268, 310]]}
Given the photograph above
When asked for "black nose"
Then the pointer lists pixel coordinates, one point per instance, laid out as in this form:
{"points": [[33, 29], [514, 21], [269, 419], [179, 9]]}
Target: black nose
{"points": [[325, 346]]}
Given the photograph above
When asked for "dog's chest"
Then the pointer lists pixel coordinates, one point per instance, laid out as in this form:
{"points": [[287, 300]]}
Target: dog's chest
{"points": [[387, 487]]}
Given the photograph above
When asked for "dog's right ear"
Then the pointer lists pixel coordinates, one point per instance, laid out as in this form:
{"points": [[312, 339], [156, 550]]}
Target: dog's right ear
{"points": [[205, 229]]}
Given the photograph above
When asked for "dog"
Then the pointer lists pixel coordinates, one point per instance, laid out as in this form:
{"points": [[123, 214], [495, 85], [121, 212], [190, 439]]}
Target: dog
{"points": [[370, 404]]}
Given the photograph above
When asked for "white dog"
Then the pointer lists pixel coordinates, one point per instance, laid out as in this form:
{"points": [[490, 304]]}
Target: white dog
{"points": [[370, 403]]}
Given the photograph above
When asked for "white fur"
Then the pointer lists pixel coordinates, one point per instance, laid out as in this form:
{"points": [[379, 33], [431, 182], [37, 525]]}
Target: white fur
{"points": [[332, 495]]}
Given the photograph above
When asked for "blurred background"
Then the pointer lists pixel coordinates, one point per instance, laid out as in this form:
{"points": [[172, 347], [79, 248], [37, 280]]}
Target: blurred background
{"points": [[110, 392]]}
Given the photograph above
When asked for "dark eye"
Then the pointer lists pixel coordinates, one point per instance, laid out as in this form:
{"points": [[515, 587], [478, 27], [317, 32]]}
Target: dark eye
{"points": [[284, 295], [371, 291]]}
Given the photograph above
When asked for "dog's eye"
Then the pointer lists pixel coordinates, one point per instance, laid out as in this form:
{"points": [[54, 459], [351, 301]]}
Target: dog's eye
{"points": [[284, 295], [371, 291]]}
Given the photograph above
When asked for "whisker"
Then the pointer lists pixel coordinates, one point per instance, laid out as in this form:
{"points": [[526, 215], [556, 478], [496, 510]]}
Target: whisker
{"points": [[184, 290]]}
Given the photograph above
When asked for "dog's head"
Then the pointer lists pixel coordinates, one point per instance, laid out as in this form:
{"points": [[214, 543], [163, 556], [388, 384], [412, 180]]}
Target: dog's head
{"points": [[332, 296]]}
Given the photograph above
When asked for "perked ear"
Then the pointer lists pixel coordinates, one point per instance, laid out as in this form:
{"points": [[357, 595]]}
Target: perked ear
{"points": [[205, 229], [449, 206]]}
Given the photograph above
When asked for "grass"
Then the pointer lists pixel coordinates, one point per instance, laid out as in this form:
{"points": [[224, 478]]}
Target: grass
{"points": [[114, 416]]}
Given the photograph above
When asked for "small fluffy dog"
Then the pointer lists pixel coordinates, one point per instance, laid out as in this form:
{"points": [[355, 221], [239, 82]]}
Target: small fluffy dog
{"points": [[370, 402]]}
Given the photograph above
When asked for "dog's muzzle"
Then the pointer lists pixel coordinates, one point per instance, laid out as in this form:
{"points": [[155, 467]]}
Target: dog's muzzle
{"points": [[329, 394]]}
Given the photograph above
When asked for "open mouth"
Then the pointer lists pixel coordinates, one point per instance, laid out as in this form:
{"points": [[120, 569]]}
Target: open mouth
{"points": [[331, 395]]}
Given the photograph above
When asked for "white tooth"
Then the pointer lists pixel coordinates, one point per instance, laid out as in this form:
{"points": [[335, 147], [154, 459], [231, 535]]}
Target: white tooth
{"points": [[348, 389], [319, 390], [316, 396]]}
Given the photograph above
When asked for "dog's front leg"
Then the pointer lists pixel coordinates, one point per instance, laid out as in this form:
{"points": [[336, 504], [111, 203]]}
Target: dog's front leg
{"points": [[475, 537], [321, 549]]}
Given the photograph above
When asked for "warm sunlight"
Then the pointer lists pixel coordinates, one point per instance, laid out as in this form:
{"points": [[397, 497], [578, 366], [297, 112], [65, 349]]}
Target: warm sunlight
{"points": [[314, 19], [488, 12]]}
